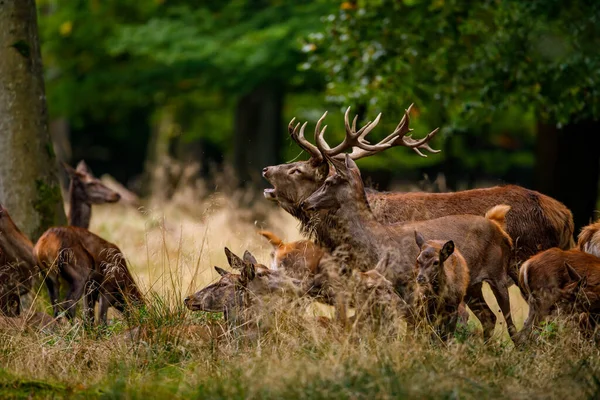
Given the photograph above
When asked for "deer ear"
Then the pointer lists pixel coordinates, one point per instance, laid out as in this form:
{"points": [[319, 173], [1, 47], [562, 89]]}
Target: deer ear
{"points": [[221, 271], [248, 272], [573, 275], [83, 168], [249, 258], [72, 172], [234, 261], [446, 251], [383, 262], [419, 239], [351, 164]]}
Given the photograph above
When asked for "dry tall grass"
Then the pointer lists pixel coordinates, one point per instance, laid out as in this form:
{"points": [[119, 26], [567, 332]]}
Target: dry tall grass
{"points": [[181, 354]]}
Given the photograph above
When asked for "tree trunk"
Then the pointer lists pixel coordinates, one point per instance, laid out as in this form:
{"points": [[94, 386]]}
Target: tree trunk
{"points": [[568, 167], [28, 172], [258, 134]]}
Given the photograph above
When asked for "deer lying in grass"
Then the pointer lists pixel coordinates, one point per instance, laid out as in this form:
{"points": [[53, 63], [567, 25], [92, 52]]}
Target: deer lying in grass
{"points": [[442, 280], [234, 293], [85, 190], [536, 222], [91, 266], [555, 278], [17, 265], [343, 205], [589, 239], [299, 259]]}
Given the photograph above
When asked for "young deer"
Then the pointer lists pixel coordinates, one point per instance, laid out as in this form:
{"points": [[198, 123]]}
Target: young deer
{"points": [[589, 239], [442, 280], [91, 266], [536, 222], [85, 190], [233, 293], [556, 278], [17, 265], [298, 259], [343, 204]]}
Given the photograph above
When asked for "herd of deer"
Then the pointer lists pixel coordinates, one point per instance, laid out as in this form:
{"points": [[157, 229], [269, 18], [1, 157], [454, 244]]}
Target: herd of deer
{"points": [[424, 256]]}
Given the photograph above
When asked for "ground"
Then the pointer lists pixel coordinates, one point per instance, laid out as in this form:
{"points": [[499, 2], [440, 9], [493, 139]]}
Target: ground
{"points": [[171, 251]]}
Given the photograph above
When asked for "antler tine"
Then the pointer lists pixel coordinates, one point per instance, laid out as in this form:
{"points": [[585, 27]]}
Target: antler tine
{"points": [[299, 138], [396, 138], [320, 136]]}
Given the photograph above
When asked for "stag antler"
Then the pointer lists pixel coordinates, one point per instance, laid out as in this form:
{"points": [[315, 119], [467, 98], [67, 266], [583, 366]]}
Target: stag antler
{"points": [[298, 137], [362, 148]]}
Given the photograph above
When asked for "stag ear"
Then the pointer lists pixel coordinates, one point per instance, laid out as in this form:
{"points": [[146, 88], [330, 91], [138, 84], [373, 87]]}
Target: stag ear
{"points": [[249, 258], [83, 168], [221, 271], [419, 239], [351, 164], [446, 251], [234, 261], [575, 277]]}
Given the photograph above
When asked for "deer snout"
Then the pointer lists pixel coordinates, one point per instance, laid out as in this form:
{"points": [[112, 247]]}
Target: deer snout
{"points": [[186, 300], [265, 171], [115, 197], [421, 279]]}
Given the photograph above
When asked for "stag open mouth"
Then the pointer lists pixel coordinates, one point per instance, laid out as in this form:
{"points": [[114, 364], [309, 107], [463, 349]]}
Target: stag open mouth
{"points": [[270, 194]]}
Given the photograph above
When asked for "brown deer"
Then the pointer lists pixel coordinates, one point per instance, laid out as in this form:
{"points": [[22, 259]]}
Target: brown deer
{"points": [[442, 280], [91, 266], [17, 265], [84, 190], [342, 204], [536, 222], [234, 294], [299, 259], [589, 239], [558, 278]]}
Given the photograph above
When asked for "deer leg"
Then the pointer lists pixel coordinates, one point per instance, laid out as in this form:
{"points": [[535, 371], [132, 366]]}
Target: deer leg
{"points": [[482, 311], [73, 295], [533, 317], [104, 304], [501, 293], [53, 285], [90, 299]]}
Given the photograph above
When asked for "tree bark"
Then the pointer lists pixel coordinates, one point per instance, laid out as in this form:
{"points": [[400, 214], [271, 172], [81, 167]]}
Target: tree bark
{"points": [[29, 185], [258, 135], [568, 166]]}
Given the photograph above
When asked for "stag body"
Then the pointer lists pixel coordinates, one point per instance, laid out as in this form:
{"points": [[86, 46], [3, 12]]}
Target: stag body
{"points": [[85, 190], [90, 265], [536, 222], [485, 245], [555, 278]]}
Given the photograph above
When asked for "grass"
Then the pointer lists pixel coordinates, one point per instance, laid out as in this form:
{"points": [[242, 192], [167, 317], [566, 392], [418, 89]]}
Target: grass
{"points": [[171, 253]]}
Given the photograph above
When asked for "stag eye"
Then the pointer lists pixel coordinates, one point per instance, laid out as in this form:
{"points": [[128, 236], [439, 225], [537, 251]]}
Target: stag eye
{"points": [[294, 171], [436, 263]]}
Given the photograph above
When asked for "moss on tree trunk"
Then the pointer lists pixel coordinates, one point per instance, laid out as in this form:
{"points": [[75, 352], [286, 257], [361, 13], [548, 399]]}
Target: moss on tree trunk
{"points": [[28, 172]]}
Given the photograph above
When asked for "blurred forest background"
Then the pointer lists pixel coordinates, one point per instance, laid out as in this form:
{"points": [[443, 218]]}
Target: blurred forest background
{"points": [[135, 86]]}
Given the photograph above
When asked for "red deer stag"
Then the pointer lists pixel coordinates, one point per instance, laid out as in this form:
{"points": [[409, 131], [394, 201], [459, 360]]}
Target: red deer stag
{"points": [[555, 278], [342, 204], [91, 266], [17, 265], [443, 279], [299, 259], [85, 190], [536, 222]]}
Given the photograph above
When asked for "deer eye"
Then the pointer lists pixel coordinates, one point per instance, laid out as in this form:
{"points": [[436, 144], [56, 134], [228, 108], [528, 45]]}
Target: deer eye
{"points": [[436, 263], [294, 171]]}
